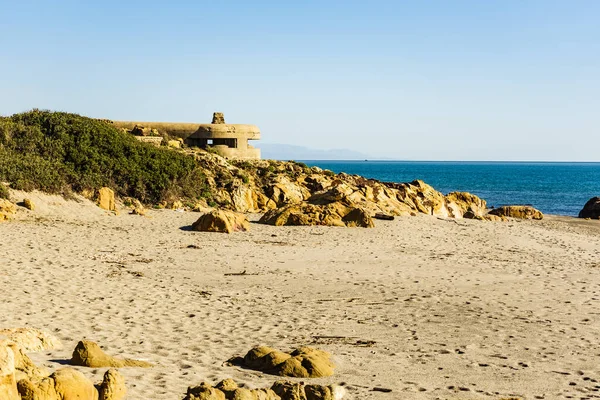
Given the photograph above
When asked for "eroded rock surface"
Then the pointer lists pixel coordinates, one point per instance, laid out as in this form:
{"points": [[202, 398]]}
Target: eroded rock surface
{"points": [[304, 362], [222, 221], [106, 199], [89, 354], [521, 212], [64, 384], [281, 390], [32, 339], [7, 210]]}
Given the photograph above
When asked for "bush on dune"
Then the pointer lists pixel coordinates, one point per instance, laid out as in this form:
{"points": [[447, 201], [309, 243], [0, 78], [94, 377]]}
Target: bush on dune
{"points": [[59, 152]]}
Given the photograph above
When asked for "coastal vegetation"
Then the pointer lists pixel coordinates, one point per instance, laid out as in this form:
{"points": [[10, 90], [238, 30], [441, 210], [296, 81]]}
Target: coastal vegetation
{"points": [[59, 152]]}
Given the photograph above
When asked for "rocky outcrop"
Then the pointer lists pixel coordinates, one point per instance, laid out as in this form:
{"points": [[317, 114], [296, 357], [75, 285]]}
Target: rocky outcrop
{"points": [[281, 390], [304, 362], [222, 221], [7, 210], [461, 203], [89, 354], [520, 212], [24, 367], [591, 209], [112, 386], [332, 214], [8, 382], [64, 384], [31, 339], [106, 199]]}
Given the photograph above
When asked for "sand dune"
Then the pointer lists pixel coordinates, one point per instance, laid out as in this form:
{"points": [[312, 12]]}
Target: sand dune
{"points": [[430, 308]]}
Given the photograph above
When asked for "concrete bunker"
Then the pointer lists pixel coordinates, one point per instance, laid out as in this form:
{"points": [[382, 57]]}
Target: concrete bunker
{"points": [[228, 140]]}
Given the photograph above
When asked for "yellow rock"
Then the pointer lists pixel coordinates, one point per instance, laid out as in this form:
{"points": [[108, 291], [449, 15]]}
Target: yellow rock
{"points": [[7, 210], [28, 204], [89, 354], [64, 384], [8, 382], [106, 199], [222, 221]]}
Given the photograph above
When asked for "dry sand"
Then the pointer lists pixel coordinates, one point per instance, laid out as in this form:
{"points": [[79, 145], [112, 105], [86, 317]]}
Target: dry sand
{"points": [[457, 309]]}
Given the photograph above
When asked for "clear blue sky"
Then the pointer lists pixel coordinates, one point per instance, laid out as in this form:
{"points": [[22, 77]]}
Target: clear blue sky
{"points": [[431, 80]]}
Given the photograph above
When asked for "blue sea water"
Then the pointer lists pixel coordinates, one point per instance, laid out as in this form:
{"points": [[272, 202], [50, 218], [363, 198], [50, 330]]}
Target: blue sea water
{"points": [[553, 188]]}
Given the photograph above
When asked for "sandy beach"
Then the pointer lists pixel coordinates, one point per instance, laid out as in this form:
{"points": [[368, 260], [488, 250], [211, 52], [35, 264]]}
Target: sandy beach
{"points": [[430, 308]]}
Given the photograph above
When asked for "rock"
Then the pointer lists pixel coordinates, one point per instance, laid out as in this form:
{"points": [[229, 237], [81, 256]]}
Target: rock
{"points": [[106, 199], [176, 205], [7, 210], [24, 367], [218, 118], [32, 339], [244, 199], [521, 212], [89, 354], [357, 217], [286, 192], [64, 384], [112, 386], [8, 382], [222, 221], [281, 390], [591, 209], [461, 203], [289, 390], [28, 204], [304, 362], [332, 214], [204, 391]]}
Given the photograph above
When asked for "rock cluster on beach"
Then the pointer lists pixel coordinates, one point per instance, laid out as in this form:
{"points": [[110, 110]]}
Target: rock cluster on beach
{"points": [[304, 362], [521, 212], [21, 379], [228, 389]]}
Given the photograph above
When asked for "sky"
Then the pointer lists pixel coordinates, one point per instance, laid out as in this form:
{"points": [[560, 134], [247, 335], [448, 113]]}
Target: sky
{"points": [[407, 80]]}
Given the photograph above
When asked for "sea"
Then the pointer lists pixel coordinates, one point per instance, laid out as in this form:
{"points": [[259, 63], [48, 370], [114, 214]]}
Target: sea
{"points": [[558, 188]]}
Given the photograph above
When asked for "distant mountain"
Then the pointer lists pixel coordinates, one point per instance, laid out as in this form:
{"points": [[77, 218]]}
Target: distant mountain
{"points": [[275, 151]]}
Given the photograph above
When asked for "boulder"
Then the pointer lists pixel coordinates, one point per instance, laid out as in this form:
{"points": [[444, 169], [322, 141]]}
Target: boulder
{"points": [[304, 362], [64, 384], [521, 212], [204, 391], [112, 386], [8, 382], [139, 130], [28, 204], [461, 203], [7, 210], [222, 221], [106, 199], [32, 339], [299, 391], [244, 199], [89, 354], [591, 209]]}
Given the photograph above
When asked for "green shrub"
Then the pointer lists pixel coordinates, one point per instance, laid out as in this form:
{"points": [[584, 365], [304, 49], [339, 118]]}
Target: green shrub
{"points": [[4, 192], [57, 152]]}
